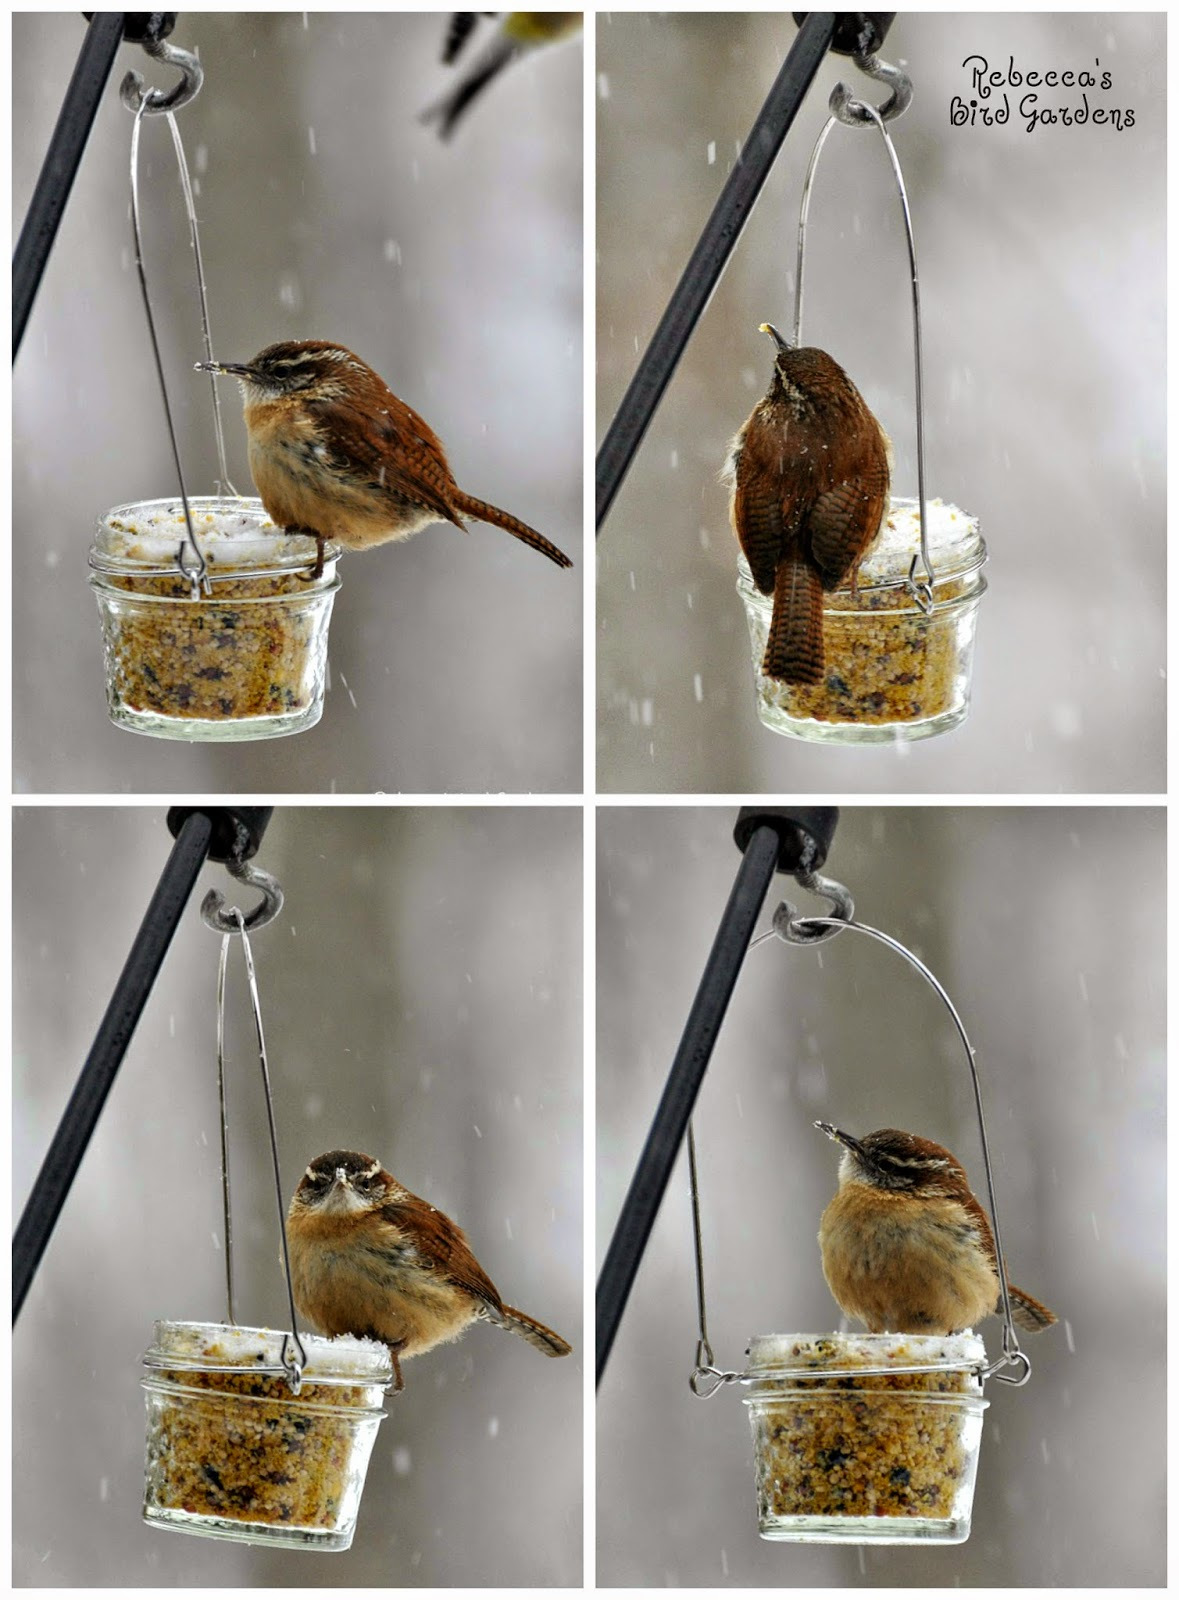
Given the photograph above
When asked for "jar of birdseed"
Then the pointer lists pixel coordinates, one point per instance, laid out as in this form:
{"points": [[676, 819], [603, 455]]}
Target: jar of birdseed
{"points": [[897, 664], [244, 658], [233, 1454], [849, 1446]]}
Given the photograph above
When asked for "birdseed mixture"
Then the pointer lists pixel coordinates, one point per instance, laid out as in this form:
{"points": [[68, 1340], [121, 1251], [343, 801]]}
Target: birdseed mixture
{"points": [[901, 1445], [238, 1447], [887, 661]]}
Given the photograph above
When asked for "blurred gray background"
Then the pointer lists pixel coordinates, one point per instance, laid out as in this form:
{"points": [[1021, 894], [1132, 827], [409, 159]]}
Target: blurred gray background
{"points": [[1047, 928], [327, 211], [1043, 280], [422, 1000]]}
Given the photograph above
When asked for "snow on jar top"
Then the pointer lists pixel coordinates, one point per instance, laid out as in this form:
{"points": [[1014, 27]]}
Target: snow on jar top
{"points": [[220, 1345], [952, 535], [231, 533], [770, 1352]]}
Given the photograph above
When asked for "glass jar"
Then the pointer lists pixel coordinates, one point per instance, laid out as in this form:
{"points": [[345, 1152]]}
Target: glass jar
{"points": [[248, 659], [893, 670], [884, 1458], [233, 1454]]}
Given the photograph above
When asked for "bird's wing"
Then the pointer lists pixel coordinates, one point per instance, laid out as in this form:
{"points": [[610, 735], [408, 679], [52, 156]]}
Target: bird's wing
{"points": [[768, 503], [444, 1244], [389, 449], [842, 522]]}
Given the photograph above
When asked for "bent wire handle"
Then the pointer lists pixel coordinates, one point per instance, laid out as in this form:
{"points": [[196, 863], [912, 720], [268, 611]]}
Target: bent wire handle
{"points": [[1012, 1354], [294, 1354], [199, 574], [792, 927], [854, 113], [151, 102]]}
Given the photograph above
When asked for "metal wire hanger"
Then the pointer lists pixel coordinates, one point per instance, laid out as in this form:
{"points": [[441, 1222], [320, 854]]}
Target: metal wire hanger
{"points": [[853, 113], [792, 927], [231, 922], [151, 102]]}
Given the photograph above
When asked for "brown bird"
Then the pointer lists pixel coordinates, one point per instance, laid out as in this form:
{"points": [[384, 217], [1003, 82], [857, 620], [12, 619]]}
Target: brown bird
{"points": [[370, 1259], [810, 479], [335, 454], [906, 1246]]}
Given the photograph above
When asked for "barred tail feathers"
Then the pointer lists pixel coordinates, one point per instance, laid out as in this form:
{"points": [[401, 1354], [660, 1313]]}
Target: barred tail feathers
{"points": [[537, 1335], [794, 649], [482, 512]]}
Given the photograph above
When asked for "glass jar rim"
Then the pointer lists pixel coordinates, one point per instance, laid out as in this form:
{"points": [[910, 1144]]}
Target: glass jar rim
{"points": [[821, 1355], [269, 548], [345, 1361]]}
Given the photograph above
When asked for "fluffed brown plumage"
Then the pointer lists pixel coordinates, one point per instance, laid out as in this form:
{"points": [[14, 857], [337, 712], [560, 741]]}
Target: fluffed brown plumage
{"points": [[810, 473]]}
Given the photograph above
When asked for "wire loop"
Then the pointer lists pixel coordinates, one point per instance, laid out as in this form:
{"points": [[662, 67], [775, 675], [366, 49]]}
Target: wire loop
{"points": [[294, 1354], [854, 113], [148, 104]]}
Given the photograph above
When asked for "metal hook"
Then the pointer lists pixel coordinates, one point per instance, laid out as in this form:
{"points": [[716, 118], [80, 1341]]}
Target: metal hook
{"points": [[853, 112], [221, 919], [790, 924], [132, 91]]}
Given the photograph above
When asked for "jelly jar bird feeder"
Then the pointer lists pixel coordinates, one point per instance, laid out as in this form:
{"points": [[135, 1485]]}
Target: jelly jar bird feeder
{"points": [[214, 620], [862, 1438], [899, 630], [254, 1435]]}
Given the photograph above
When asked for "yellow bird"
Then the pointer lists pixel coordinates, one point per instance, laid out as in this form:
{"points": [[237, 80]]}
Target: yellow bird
{"points": [[518, 33]]}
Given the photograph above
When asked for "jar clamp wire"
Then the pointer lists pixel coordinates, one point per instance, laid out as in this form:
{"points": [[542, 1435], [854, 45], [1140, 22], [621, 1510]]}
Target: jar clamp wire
{"points": [[899, 644], [252, 1435], [869, 1438], [212, 628]]}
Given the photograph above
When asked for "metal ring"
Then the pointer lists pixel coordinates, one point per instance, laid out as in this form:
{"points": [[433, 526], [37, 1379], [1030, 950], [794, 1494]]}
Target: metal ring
{"points": [[854, 113], [229, 919], [152, 102]]}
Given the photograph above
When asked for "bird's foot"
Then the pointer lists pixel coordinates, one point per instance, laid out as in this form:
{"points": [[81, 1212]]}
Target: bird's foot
{"points": [[317, 570]]}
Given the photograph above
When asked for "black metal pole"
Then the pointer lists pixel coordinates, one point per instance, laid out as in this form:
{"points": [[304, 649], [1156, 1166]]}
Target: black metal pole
{"points": [[708, 259], [97, 55], [198, 833], [107, 30], [772, 838]]}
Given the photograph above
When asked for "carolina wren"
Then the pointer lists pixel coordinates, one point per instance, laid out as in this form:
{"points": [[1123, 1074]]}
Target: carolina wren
{"points": [[370, 1259], [810, 476], [906, 1246], [518, 33], [334, 452]]}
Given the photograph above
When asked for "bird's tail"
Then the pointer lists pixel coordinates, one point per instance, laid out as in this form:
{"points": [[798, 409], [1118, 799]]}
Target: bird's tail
{"points": [[542, 1338], [1027, 1312], [482, 512], [794, 649]]}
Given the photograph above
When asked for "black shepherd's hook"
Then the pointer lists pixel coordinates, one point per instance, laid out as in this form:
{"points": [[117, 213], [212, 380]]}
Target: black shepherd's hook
{"points": [[107, 31], [854, 33], [771, 839], [216, 833]]}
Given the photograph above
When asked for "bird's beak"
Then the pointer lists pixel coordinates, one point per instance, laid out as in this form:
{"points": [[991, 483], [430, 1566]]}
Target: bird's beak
{"points": [[232, 369], [768, 327], [840, 1137], [341, 1177]]}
